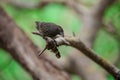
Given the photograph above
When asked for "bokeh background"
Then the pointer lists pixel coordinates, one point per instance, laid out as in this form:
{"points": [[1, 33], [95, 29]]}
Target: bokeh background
{"points": [[105, 44]]}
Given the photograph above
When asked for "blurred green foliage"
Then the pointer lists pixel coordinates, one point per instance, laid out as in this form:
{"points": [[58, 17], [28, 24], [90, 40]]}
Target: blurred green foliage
{"points": [[105, 45]]}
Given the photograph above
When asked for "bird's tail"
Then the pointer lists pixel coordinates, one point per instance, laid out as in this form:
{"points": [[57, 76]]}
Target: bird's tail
{"points": [[56, 51]]}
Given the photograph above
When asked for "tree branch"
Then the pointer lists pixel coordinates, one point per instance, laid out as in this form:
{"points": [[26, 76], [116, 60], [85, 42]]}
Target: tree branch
{"points": [[81, 9], [76, 43], [77, 7], [99, 8], [71, 3]]}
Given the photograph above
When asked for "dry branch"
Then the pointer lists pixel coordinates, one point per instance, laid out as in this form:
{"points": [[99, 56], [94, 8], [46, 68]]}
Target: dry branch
{"points": [[76, 43]]}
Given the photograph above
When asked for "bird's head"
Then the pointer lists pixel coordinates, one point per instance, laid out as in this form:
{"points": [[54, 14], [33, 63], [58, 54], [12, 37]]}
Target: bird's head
{"points": [[38, 24]]}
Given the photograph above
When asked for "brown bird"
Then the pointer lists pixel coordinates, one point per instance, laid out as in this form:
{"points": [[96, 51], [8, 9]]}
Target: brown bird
{"points": [[50, 30]]}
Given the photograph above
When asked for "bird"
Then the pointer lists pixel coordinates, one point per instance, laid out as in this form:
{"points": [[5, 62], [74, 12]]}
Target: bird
{"points": [[47, 29], [51, 30]]}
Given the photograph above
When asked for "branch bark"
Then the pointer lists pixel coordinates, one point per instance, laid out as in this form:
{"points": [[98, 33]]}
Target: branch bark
{"points": [[76, 43], [79, 45], [22, 49]]}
